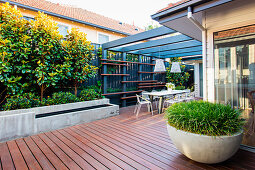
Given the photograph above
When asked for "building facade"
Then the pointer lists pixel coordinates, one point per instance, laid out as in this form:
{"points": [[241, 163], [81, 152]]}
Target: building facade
{"points": [[99, 29], [227, 31]]}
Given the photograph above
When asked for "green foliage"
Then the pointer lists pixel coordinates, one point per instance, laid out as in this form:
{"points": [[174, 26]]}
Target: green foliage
{"points": [[27, 100], [34, 56], [179, 79], [112, 56], [49, 65], [205, 118], [61, 98], [15, 46], [180, 88], [91, 92], [79, 56]]}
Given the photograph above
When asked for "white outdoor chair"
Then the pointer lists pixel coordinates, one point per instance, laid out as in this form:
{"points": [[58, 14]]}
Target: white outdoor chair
{"points": [[182, 97], [156, 99], [190, 96], [145, 96], [171, 100], [140, 102]]}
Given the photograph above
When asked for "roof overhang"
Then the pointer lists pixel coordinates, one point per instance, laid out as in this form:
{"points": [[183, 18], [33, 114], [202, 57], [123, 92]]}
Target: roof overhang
{"points": [[63, 17], [176, 17]]}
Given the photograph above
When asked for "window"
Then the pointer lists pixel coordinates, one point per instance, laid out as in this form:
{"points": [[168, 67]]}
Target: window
{"points": [[62, 29], [102, 38], [28, 18], [234, 66]]}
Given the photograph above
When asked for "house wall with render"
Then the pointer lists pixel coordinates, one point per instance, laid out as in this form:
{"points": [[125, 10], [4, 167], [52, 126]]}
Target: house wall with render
{"points": [[92, 32]]}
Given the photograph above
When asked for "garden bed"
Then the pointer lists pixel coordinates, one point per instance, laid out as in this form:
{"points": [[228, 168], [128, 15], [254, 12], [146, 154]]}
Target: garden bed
{"points": [[25, 122]]}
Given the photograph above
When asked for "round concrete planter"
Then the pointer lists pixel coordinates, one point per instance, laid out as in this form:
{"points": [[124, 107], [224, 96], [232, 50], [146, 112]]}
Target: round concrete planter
{"points": [[205, 149]]}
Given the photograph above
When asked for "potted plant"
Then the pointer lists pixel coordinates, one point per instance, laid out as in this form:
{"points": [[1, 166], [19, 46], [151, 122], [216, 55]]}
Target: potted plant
{"points": [[205, 132], [170, 86]]}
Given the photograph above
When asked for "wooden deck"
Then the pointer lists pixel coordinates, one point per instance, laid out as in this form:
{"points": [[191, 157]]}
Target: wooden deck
{"points": [[121, 142]]}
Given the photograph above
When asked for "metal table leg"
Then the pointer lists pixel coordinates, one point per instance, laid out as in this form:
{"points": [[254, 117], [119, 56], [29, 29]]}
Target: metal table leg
{"points": [[160, 104]]}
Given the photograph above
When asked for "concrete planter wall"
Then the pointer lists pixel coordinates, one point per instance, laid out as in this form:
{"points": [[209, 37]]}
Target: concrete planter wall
{"points": [[205, 149], [25, 122]]}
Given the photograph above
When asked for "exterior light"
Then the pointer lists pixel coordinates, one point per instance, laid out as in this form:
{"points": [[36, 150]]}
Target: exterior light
{"points": [[160, 66], [175, 67]]}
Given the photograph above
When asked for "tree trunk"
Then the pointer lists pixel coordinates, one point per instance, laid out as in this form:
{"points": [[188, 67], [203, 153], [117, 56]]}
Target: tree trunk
{"points": [[42, 90], [75, 88]]}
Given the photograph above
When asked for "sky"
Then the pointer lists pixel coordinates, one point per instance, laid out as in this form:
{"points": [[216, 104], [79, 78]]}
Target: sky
{"points": [[134, 12]]}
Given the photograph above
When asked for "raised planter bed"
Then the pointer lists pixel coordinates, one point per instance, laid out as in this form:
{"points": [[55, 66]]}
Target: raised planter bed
{"points": [[25, 122]]}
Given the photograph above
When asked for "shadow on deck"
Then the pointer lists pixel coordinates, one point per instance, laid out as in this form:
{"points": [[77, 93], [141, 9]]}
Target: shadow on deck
{"points": [[120, 142]]}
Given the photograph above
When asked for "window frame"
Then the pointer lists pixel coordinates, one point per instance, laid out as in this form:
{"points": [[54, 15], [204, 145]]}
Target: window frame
{"points": [[104, 35]]}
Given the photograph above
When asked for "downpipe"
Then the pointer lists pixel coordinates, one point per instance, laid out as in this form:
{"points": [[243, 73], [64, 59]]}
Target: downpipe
{"points": [[204, 42]]}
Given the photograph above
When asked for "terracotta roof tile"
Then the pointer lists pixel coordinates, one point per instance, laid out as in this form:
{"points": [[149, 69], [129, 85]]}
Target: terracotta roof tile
{"points": [[171, 5], [81, 14]]}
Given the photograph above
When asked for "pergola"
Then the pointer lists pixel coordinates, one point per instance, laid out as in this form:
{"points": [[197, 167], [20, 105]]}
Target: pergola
{"points": [[160, 43]]}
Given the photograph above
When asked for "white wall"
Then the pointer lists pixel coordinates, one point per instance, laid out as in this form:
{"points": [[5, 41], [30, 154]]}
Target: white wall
{"points": [[235, 14]]}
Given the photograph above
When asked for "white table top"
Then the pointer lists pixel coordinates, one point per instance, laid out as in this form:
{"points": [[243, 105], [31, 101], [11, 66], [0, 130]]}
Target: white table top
{"points": [[166, 92]]}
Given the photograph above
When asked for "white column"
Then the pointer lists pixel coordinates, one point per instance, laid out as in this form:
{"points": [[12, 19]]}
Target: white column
{"points": [[197, 80]]}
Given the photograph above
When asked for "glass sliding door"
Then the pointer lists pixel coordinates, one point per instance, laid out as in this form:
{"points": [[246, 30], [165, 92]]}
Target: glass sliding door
{"points": [[234, 52]]}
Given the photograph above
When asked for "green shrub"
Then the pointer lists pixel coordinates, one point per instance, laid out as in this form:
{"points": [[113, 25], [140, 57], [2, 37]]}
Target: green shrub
{"points": [[90, 94], [61, 98], [204, 118], [27, 100], [180, 88]]}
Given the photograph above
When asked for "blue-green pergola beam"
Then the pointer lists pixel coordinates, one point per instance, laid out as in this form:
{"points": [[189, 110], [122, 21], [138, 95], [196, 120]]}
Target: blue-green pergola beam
{"points": [[154, 43], [178, 51], [181, 54], [180, 45], [139, 37]]}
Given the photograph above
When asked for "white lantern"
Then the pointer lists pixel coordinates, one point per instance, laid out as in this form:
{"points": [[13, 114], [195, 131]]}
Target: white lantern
{"points": [[160, 66], [175, 67]]}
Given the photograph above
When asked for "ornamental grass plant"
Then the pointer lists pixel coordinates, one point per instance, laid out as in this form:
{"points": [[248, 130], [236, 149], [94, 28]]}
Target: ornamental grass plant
{"points": [[205, 118]]}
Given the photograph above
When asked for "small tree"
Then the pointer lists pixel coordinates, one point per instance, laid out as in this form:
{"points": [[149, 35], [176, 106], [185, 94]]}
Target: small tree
{"points": [[15, 49], [49, 66], [79, 56], [178, 79]]}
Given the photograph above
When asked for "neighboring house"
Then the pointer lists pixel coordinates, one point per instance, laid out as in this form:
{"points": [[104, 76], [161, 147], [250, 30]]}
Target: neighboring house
{"points": [[227, 31], [99, 29]]}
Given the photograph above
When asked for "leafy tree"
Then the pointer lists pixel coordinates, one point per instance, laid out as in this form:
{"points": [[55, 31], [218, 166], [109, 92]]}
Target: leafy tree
{"points": [[47, 55], [15, 48], [79, 55], [178, 79]]}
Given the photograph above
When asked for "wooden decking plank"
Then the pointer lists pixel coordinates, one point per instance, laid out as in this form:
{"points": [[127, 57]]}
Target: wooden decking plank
{"points": [[70, 150], [39, 155], [121, 142], [85, 144], [59, 152], [150, 151], [0, 164], [140, 160], [145, 130], [134, 150], [146, 135], [17, 157], [6, 158], [145, 144], [28, 156], [85, 149], [56, 162]]}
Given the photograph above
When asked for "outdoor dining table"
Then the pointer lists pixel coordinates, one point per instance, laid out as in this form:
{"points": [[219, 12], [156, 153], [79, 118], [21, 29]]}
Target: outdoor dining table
{"points": [[161, 95]]}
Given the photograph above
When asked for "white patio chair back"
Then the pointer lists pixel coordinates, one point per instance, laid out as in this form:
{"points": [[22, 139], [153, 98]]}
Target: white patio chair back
{"points": [[138, 99], [140, 102], [145, 96]]}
